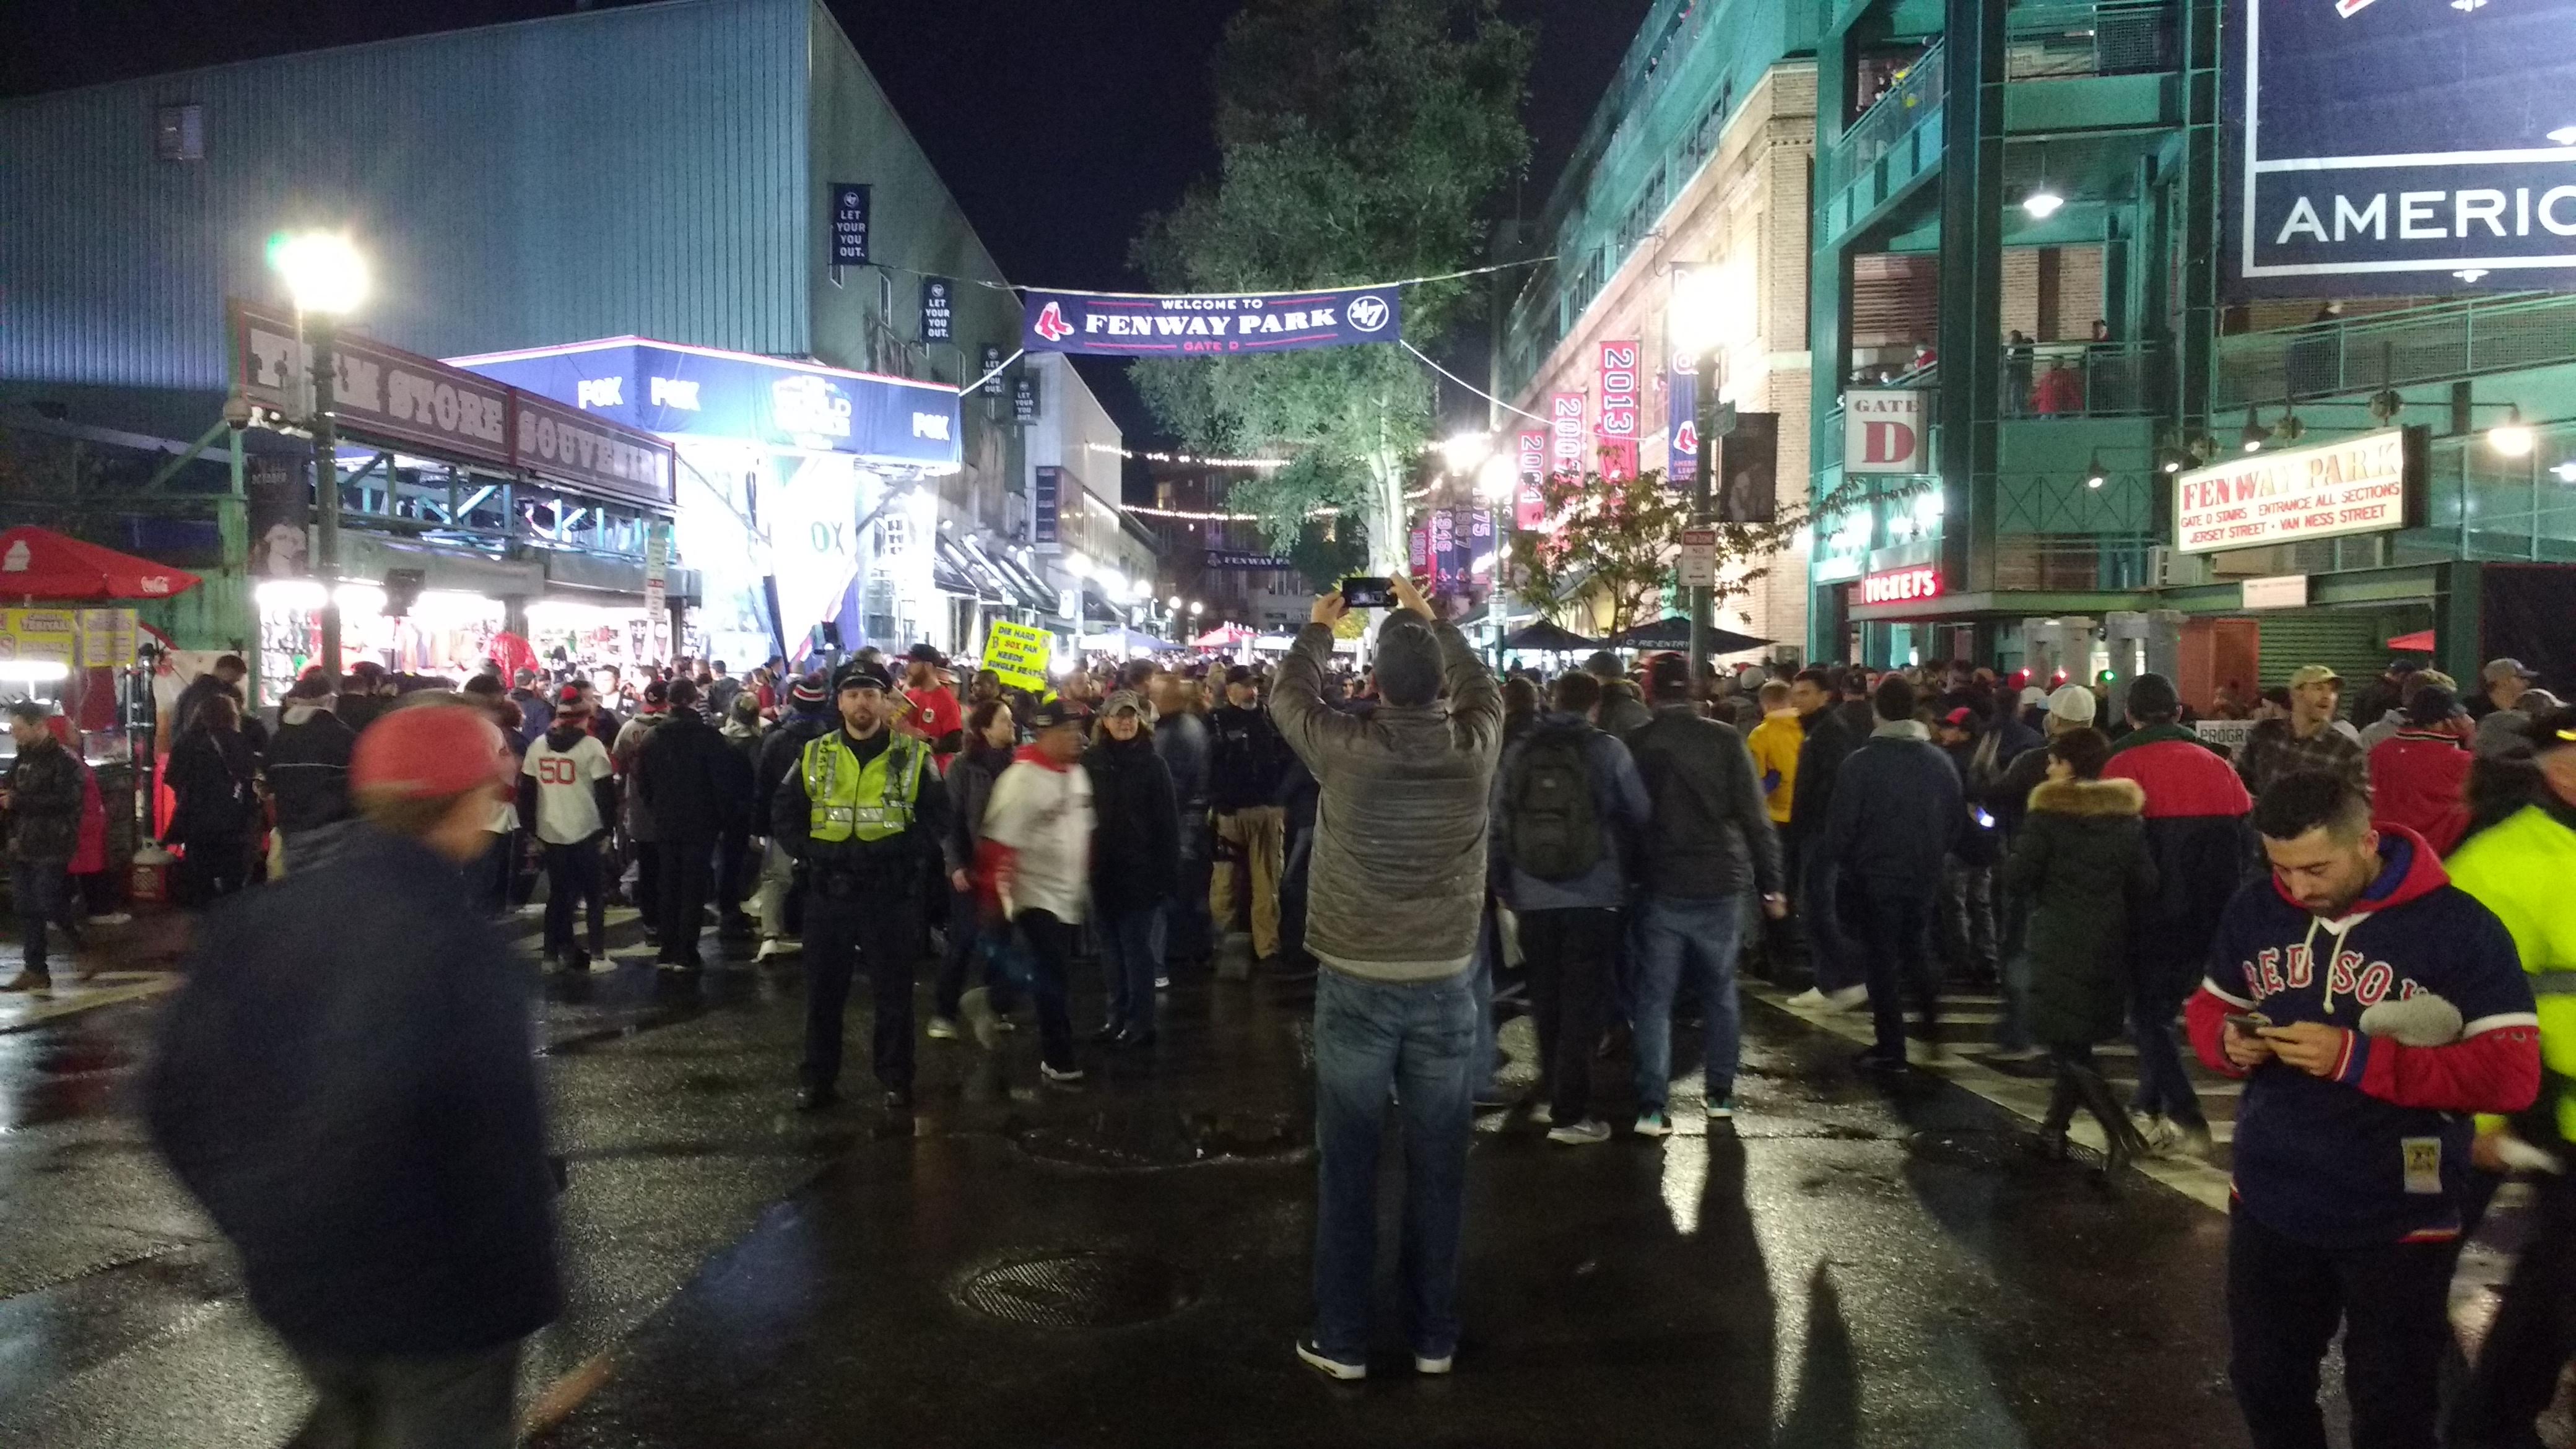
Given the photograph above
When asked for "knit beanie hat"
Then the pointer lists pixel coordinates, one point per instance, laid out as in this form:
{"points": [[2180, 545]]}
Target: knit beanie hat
{"points": [[1408, 662]]}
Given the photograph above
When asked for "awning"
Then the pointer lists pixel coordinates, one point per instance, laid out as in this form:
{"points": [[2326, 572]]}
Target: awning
{"points": [[38, 563], [1018, 588], [953, 572]]}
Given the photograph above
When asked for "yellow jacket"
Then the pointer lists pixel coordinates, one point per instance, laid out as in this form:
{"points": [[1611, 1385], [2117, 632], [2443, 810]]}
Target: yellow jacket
{"points": [[2523, 870], [1774, 744]]}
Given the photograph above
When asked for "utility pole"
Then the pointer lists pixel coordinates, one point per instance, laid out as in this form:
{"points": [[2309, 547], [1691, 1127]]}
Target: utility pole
{"points": [[1712, 422], [326, 489]]}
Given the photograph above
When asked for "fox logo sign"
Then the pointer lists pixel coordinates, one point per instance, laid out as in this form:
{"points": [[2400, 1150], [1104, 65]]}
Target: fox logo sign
{"points": [[1051, 324]]}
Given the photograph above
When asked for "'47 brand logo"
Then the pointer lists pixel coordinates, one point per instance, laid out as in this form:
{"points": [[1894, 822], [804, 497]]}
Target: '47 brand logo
{"points": [[1051, 324]]}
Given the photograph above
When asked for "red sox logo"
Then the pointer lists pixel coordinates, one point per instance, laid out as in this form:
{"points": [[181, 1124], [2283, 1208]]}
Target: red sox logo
{"points": [[1051, 325]]}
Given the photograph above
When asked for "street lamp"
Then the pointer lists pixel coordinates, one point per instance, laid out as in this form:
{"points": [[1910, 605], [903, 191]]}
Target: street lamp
{"points": [[2511, 438], [1464, 451], [1197, 608], [1708, 305], [327, 278], [1496, 478]]}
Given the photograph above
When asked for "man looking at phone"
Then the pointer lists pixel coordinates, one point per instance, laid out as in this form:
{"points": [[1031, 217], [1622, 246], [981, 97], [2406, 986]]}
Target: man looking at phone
{"points": [[2370, 1005], [1398, 884]]}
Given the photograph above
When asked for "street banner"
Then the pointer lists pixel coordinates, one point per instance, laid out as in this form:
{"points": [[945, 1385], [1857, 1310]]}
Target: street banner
{"points": [[1046, 504], [2383, 146], [1883, 430], [1748, 466], [281, 515], [2367, 484], [1444, 551], [937, 293], [849, 224], [1618, 460], [1218, 558], [1480, 541], [1529, 501], [1124, 325], [988, 366], [1618, 369], [1565, 431], [1681, 421], [1018, 653], [1024, 400], [1421, 552]]}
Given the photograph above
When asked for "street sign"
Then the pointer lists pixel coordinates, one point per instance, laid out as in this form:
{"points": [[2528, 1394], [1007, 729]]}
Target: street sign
{"points": [[2370, 483], [1699, 558], [1883, 430]]}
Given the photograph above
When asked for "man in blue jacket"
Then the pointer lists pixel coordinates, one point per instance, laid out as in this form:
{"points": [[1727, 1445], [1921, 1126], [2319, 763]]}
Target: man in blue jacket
{"points": [[1898, 810], [2371, 1006], [1567, 803], [366, 1130]]}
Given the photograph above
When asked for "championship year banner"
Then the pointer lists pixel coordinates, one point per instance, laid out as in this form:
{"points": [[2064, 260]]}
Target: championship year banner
{"points": [[1244, 322], [1529, 499], [2399, 146], [1018, 653]]}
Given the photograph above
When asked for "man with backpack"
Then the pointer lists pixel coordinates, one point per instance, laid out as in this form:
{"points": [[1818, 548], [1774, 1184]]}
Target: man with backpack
{"points": [[1709, 840], [1566, 799]]}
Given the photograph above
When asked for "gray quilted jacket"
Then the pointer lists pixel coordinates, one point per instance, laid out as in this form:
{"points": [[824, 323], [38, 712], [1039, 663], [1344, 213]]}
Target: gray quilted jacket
{"points": [[1397, 882]]}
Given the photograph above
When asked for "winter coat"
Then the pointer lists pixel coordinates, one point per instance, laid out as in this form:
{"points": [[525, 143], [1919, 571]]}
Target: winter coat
{"points": [[1397, 874], [624, 753], [215, 776], [1182, 740], [308, 767], [1622, 711], [970, 784], [1136, 854], [2420, 780], [1775, 745], [694, 783], [780, 748], [1708, 835], [2201, 844], [370, 1140], [1821, 753], [1619, 803], [192, 701], [1245, 756], [2008, 799], [2081, 861], [1898, 810], [44, 803]]}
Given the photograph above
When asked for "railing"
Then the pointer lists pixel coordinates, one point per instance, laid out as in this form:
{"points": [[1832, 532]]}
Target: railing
{"points": [[2083, 380], [2050, 41], [2444, 342], [1914, 94]]}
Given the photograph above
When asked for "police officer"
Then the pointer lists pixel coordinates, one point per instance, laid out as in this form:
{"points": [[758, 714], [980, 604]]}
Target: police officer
{"points": [[861, 813]]}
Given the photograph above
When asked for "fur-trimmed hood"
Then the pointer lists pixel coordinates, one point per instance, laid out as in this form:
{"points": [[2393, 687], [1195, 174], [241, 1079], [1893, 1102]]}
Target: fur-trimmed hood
{"points": [[2088, 797]]}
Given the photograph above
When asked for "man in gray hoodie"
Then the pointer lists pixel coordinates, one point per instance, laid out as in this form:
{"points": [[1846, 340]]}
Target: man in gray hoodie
{"points": [[1397, 885]]}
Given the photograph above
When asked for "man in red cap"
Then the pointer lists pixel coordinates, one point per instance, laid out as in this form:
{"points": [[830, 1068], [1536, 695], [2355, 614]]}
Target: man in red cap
{"points": [[365, 1127]]}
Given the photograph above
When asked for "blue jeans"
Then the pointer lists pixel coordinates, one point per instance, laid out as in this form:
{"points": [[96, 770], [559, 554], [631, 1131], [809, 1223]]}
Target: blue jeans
{"points": [[1411, 1039], [2164, 1087], [1707, 935], [1128, 961]]}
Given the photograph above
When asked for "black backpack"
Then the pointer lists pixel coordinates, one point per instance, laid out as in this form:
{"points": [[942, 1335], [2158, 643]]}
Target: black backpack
{"points": [[1555, 829]]}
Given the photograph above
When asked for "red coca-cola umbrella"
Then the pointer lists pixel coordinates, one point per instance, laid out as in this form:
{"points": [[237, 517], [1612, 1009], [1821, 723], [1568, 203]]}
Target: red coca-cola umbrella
{"points": [[38, 563]]}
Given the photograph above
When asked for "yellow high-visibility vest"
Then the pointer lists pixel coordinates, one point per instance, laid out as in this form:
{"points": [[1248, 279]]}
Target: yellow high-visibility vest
{"points": [[2520, 869], [850, 801]]}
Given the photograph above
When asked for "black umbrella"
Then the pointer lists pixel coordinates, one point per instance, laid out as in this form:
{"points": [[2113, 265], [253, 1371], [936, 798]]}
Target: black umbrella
{"points": [[1673, 632], [1550, 638]]}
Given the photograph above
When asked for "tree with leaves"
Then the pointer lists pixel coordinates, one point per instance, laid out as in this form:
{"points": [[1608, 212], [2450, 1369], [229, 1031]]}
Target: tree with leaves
{"points": [[1619, 542], [1361, 141]]}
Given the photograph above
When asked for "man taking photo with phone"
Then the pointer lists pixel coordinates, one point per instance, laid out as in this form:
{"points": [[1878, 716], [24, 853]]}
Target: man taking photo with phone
{"points": [[2370, 1005]]}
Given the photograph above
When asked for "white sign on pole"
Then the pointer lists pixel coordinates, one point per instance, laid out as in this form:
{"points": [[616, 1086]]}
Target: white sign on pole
{"points": [[2286, 591], [1883, 430], [2366, 484], [2228, 734], [1699, 558]]}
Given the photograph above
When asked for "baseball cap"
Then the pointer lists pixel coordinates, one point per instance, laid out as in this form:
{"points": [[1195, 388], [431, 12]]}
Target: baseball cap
{"points": [[1052, 712], [1959, 718], [657, 692], [2555, 730], [2307, 674], [1123, 699], [808, 689], [926, 654], [1668, 672], [430, 750], [2435, 679], [861, 675], [570, 694], [2500, 670], [2404, 666], [2072, 703], [1239, 674]]}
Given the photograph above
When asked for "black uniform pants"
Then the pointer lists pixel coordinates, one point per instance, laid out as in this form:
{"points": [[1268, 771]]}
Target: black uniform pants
{"points": [[572, 878], [683, 897], [648, 884], [842, 933], [1895, 925], [2534, 1332], [1570, 953], [2284, 1302]]}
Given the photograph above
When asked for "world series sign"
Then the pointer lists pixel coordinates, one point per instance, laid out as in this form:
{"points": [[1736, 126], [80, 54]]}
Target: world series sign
{"points": [[2400, 145]]}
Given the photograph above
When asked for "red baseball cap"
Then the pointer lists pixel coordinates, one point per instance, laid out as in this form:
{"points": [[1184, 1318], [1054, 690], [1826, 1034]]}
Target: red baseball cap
{"points": [[430, 750]]}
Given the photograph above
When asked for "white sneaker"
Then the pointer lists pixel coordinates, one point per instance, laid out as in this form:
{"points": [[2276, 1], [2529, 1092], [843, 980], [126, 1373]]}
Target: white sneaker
{"points": [[2191, 1141], [1654, 1124], [1847, 999], [1541, 1115], [977, 1007], [942, 1029], [1438, 1365], [1065, 1075], [775, 947], [1581, 1134], [1808, 1000], [2157, 1133]]}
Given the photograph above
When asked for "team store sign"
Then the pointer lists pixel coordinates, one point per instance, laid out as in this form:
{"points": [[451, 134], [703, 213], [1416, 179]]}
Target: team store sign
{"points": [[2366, 484]]}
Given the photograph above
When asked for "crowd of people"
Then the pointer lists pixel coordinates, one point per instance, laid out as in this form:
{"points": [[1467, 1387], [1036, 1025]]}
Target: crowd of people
{"points": [[2355, 926]]}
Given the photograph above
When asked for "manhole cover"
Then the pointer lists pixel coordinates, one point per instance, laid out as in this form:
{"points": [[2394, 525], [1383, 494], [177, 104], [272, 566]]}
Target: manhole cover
{"points": [[1077, 1290]]}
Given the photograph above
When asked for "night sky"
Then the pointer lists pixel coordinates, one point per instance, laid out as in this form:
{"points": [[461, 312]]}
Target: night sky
{"points": [[1003, 94]]}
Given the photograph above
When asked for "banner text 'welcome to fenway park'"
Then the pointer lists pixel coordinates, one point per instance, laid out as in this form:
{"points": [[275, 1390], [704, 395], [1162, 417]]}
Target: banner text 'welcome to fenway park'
{"points": [[1250, 322]]}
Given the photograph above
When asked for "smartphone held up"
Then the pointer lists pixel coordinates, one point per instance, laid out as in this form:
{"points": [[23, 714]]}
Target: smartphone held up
{"points": [[1368, 593]]}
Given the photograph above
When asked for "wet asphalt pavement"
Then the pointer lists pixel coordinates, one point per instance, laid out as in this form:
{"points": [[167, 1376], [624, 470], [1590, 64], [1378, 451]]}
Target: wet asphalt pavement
{"points": [[1850, 1263]]}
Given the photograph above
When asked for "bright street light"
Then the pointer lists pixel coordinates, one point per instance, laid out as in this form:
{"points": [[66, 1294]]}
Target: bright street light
{"points": [[323, 272], [1463, 451], [1711, 305], [1141, 589], [2043, 202], [2511, 438], [1496, 479], [1174, 602], [1197, 608]]}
